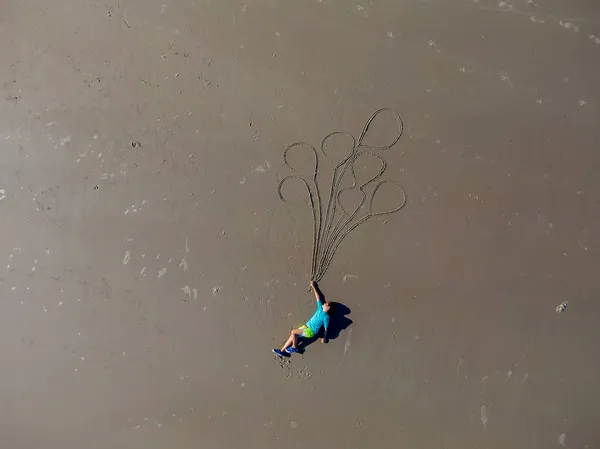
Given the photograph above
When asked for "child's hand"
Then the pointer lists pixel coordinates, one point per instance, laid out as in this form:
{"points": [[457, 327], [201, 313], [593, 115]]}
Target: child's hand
{"points": [[312, 284], [323, 340]]}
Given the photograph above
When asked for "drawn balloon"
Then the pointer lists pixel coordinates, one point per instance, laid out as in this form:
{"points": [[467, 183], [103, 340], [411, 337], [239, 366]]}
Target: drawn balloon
{"points": [[357, 168]]}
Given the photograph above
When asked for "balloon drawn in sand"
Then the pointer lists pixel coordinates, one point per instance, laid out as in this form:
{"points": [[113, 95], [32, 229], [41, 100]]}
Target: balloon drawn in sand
{"points": [[334, 220]]}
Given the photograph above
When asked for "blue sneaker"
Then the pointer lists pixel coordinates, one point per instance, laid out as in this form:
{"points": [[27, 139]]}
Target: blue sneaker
{"points": [[291, 350], [278, 352]]}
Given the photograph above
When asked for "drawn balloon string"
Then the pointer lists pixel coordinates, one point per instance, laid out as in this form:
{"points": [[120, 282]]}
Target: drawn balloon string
{"points": [[334, 222]]}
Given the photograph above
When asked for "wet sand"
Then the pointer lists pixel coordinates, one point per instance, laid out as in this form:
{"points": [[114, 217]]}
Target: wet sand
{"points": [[149, 266]]}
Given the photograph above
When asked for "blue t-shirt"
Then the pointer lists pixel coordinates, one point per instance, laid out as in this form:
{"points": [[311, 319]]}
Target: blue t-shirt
{"points": [[320, 318]]}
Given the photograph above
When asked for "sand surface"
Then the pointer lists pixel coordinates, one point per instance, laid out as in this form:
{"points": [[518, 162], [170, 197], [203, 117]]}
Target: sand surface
{"points": [[148, 265]]}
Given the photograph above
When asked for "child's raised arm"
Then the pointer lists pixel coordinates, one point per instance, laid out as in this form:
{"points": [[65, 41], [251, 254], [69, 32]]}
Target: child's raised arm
{"points": [[318, 294]]}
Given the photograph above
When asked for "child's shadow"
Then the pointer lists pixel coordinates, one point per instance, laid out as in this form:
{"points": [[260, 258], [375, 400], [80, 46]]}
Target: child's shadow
{"points": [[338, 322]]}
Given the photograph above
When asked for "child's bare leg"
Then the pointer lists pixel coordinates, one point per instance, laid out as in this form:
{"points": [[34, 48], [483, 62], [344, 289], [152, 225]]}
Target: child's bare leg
{"points": [[292, 340], [288, 342]]}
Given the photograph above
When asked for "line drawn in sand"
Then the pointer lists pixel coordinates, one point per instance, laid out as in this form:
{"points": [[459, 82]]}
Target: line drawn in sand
{"points": [[332, 225]]}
